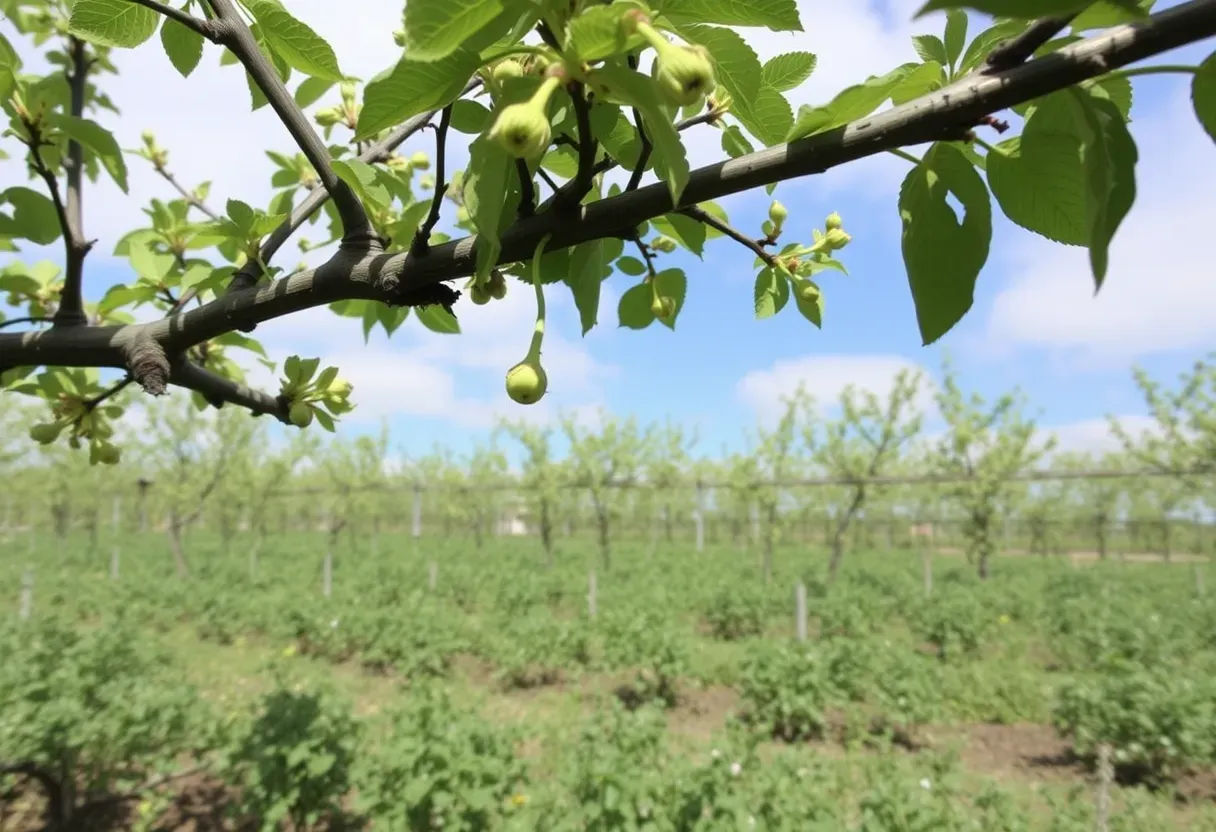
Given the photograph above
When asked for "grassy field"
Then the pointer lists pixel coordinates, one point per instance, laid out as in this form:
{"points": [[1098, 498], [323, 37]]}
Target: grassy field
{"points": [[492, 699]]}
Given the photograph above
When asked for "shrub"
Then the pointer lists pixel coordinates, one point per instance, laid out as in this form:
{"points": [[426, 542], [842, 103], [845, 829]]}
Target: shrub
{"points": [[786, 690]]}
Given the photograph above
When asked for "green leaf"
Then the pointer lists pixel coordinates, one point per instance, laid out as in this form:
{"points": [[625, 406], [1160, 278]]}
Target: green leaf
{"points": [[469, 116], [96, 140], [1010, 8], [943, 287], [768, 116], [956, 35], [236, 339], [437, 319], [1115, 88], [183, 45], [849, 104], [633, 309], [412, 87], [1104, 14], [1203, 95], [294, 41], [631, 266], [920, 81], [734, 143], [1038, 178], [117, 23], [736, 66], [771, 293], [812, 310], [311, 90], [485, 192], [777, 15], [241, 214], [435, 29], [34, 216], [673, 284], [364, 181], [1110, 166], [588, 268], [930, 48], [671, 161], [785, 72], [596, 33], [683, 229]]}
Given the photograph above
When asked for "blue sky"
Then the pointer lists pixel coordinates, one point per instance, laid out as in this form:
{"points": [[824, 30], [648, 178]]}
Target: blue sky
{"points": [[1034, 325]]}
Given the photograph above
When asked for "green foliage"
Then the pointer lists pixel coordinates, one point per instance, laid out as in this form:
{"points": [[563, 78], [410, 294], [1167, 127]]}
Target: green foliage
{"points": [[735, 614], [437, 766], [786, 690], [293, 760]]}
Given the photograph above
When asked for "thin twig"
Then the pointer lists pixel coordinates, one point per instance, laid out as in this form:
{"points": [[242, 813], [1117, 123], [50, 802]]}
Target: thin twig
{"points": [[586, 144], [36, 319], [189, 196], [647, 255], [203, 27], [422, 238], [527, 191], [1016, 50], [548, 180], [703, 216], [639, 169], [115, 389]]}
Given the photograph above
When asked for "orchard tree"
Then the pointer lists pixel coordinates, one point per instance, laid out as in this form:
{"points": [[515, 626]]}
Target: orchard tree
{"points": [[541, 478], [984, 449], [868, 437], [778, 460], [575, 115]]}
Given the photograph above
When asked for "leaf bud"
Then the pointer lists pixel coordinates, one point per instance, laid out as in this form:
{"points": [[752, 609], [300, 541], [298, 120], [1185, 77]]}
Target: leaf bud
{"points": [[777, 213], [301, 414], [527, 382]]}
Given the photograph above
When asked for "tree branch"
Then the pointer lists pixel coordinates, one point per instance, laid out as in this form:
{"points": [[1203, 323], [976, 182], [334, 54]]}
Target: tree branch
{"points": [[402, 279], [234, 34], [203, 27], [1016, 50], [586, 145], [527, 189], [189, 196], [703, 216], [218, 390], [29, 320], [422, 238]]}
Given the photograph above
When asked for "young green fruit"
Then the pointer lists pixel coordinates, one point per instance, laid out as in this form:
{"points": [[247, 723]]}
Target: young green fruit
{"points": [[399, 37], [684, 74], [420, 160], [523, 129], [777, 213], [47, 433], [527, 382], [837, 238], [481, 294], [301, 415], [497, 285], [663, 243], [663, 306], [833, 221], [510, 68]]}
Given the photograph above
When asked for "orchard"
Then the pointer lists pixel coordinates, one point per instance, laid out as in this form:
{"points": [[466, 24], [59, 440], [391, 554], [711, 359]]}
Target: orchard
{"points": [[214, 615]]}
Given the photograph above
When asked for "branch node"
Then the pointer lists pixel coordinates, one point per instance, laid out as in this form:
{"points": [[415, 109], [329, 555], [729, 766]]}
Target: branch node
{"points": [[149, 365]]}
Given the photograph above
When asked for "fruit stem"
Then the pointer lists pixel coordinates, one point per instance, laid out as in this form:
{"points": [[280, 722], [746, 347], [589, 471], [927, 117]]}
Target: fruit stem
{"points": [[652, 37], [538, 333]]}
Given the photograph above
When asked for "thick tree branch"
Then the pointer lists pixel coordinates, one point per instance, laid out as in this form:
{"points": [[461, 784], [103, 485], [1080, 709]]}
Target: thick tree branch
{"points": [[403, 279], [422, 238], [1015, 51], [703, 216], [203, 27], [234, 34]]}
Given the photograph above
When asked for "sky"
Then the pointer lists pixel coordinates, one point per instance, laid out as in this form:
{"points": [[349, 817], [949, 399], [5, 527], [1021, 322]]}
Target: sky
{"points": [[1035, 325]]}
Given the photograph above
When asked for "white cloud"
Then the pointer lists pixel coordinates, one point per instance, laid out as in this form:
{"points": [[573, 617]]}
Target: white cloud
{"points": [[825, 377], [1158, 295]]}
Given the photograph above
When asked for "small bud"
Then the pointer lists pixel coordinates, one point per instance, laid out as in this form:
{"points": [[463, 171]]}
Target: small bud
{"points": [[420, 160], [328, 117], [510, 68], [347, 89], [399, 37], [777, 213], [339, 388], [400, 164], [833, 221], [663, 243], [149, 138], [663, 307], [836, 238], [301, 414], [527, 382], [47, 433], [497, 285]]}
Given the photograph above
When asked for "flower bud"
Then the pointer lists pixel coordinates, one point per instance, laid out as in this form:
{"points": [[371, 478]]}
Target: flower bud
{"points": [[420, 160], [663, 307], [836, 238], [523, 129], [347, 90], [46, 433], [527, 382], [497, 285], [777, 213], [149, 138], [339, 388], [833, 221], [663, 243], [399, 37], [510, 68], [328, 117], [301, 414]]}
